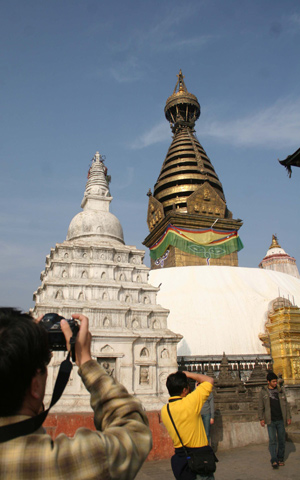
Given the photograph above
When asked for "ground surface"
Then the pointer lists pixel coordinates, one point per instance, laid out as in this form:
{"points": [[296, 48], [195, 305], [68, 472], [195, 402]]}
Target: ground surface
{"points": [[246, 463]]}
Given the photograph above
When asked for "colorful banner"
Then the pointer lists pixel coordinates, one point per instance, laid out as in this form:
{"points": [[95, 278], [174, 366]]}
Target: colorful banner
{"points": [[204, 243]]}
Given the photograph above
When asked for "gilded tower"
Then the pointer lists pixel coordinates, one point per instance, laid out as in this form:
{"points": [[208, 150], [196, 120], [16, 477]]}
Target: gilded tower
{"points": [[188, 218]]}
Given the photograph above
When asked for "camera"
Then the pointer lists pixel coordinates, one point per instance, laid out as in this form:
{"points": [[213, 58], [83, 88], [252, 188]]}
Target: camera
{"points": [[56, 338]]}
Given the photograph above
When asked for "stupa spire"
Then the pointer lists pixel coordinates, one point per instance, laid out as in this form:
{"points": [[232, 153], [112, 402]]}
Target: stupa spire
{"points": [[186, 165], [97, 184], [188, 195], [182, 108], [180, 83], [95, 223], [274, 243]]}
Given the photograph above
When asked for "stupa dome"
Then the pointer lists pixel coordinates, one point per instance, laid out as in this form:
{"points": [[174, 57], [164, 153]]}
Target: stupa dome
{"points": [[219, 309], [95, 222]]}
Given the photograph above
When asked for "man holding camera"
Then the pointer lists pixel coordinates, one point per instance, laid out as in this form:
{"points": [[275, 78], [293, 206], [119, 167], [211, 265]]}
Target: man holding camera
{"points": [[116, 450]]}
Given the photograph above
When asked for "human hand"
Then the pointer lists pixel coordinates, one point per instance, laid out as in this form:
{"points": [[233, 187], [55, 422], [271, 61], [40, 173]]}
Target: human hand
{"points": [[37, 320], [262, 422], [212, 421], [83, 339]]}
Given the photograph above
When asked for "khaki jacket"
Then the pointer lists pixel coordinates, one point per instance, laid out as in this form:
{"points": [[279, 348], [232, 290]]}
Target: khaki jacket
{"points": [[264, 408]]}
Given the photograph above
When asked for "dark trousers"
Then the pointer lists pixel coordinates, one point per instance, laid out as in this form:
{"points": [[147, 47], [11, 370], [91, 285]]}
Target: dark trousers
{"points": [[276, 433]]}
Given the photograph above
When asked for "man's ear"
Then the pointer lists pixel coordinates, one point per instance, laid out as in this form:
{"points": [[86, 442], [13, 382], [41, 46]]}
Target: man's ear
{"points": [[34, 387], [37, 386], [185, 392]]}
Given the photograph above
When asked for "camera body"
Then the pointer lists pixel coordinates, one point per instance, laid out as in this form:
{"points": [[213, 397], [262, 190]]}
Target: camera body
{"points": [[56, 338]]}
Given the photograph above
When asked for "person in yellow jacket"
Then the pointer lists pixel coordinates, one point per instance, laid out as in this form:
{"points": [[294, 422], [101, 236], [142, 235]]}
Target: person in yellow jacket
{"points": [[185, 407]]}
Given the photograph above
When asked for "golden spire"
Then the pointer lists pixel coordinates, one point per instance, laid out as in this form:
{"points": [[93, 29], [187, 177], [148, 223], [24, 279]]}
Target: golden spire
{"points": [[186, 166], [182, 108], [274, 243], [180, 84]]}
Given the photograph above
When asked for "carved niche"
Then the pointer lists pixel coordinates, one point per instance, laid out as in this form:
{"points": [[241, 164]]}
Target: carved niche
{"points": [[206, 201], [155, 212], [144, 375]]}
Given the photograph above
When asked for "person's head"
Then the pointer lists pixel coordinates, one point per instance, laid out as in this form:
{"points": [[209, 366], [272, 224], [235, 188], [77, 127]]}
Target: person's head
{"points": [[272, 380], [177, 384], [24, 354]]}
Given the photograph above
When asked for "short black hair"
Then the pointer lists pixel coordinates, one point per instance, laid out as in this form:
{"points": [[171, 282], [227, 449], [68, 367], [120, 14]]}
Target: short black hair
{"points": [[176, 382], [24, 350], [271, 376]]}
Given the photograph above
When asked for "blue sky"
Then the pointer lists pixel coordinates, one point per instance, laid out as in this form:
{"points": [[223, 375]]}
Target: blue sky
{"points": [[80, 76]]}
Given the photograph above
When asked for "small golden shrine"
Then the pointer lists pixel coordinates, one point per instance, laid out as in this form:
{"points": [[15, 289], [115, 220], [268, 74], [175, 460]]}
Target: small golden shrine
{"points": [[282, 339], [188, 218]]}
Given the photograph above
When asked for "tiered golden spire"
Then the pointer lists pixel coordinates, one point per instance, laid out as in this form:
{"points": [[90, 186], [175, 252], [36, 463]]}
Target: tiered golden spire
{"points": [[188, 192], [186, 166]]}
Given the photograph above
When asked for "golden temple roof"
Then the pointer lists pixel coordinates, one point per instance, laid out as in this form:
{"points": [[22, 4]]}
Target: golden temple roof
{"points": [[186, 166]]}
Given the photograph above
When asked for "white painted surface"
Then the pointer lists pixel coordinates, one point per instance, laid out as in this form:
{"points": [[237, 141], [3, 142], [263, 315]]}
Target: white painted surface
{"points": [[220, 309]]}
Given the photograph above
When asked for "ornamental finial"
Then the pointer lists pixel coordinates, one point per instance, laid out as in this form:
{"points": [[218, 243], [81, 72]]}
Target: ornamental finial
{"points": [[274, 243], [180, 83]]}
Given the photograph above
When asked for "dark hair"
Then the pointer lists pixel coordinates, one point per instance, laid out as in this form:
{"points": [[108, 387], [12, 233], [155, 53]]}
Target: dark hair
{"points": [[176, 382], [271, 376], [23, 351]]}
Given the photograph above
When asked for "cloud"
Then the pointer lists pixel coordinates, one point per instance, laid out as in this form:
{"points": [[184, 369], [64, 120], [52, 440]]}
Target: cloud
{"points": [[294, 19], [158, 133], [277, 125], [128, 56], [195, 42], [127, 70], [153, 35]]}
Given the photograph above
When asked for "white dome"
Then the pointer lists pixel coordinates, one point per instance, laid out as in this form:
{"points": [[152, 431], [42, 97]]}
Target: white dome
{"points": [[220, 309], [93, 223], [275, 251]]}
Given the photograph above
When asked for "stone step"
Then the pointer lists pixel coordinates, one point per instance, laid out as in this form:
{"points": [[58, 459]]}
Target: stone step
{"points": [[293, 436], [293, 430]]}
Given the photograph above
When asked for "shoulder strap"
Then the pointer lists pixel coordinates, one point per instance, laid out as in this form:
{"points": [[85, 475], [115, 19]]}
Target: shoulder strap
{"points": [[173, 423], [30, 425]]}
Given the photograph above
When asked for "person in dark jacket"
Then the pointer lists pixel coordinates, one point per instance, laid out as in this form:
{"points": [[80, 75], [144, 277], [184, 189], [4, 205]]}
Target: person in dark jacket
{"points": [[274, 411]]}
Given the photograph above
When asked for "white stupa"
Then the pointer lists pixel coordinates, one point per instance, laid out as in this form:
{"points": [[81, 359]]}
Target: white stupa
{"points": [[214, 304], [221, 309], [278, 260], [94, 273]]}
